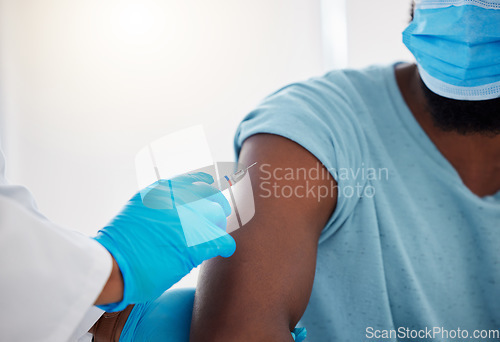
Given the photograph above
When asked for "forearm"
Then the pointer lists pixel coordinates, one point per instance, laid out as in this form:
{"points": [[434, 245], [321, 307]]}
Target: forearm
{"points": [[113, 290], [109, 327]]}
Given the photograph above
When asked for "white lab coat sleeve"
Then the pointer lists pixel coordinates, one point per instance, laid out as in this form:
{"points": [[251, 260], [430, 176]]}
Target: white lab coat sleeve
{"points": [[80, 334], [49, 276]]}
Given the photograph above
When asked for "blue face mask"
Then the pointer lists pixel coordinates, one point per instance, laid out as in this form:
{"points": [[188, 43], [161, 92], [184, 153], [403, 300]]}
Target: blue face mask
{"points": [[457, 47]]}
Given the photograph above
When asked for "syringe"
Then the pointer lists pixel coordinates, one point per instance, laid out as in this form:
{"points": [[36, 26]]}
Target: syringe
{"points": [[228, 181], [235, 177]]}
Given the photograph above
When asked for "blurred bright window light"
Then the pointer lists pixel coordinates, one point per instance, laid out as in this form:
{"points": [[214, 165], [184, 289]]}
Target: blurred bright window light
{"points": [[136, 20]]}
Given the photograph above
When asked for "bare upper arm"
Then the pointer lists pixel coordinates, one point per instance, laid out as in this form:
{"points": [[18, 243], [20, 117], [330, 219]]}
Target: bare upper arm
{"points": [[261, 292]]}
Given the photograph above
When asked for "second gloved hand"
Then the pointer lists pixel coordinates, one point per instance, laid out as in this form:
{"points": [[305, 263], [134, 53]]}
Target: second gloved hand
{"points": [[168, 318], [147, 238]]}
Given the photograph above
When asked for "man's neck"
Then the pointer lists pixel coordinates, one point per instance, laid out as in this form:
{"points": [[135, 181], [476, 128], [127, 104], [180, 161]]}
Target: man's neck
{"points": [[476, 157]]}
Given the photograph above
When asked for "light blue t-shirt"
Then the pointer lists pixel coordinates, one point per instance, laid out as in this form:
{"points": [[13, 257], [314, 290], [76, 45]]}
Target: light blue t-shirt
{"points": [[417, 249]]}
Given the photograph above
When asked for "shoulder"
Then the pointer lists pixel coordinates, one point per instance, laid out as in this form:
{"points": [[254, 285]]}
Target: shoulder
{"points": [[322, 109], [338, 92], [339, 84]]}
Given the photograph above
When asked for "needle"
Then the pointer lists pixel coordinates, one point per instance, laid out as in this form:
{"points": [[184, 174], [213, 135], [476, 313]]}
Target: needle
{"points": [[251, 165]]}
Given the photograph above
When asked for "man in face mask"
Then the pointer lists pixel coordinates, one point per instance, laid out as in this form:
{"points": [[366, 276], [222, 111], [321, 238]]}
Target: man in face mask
{"points": [[385, 225], [456, 45]]}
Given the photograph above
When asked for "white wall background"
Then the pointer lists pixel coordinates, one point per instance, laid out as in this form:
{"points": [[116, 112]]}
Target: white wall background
{"points": [[374, 31], [85, 84]]}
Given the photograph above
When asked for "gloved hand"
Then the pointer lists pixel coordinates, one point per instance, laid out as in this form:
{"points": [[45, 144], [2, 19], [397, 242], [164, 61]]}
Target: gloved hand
{"points": [[168, 318], [299, 334], [148, 241]]}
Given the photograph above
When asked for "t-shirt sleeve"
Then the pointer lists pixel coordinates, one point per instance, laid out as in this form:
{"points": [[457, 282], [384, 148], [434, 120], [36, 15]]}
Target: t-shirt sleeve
{"points": [[318, 115]]}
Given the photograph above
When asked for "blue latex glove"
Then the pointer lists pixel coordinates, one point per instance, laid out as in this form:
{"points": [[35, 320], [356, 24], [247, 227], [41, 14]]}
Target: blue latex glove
{"points": [[148, 242], [299, 334], [168, 318]]}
